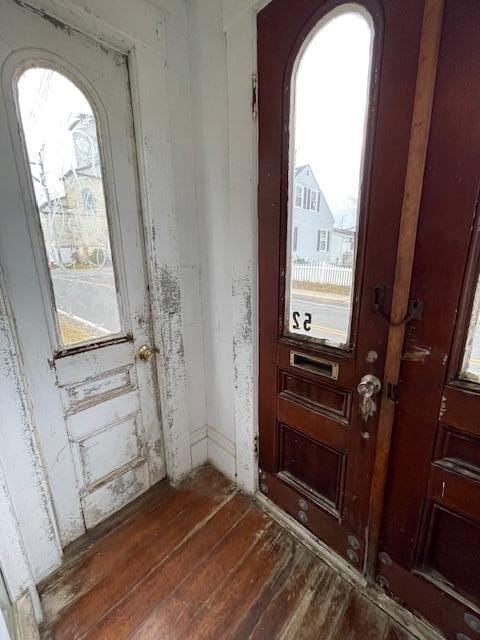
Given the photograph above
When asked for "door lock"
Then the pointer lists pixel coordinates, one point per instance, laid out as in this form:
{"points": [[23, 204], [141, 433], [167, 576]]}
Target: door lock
{"points": [[367, 389], [145, 352]]}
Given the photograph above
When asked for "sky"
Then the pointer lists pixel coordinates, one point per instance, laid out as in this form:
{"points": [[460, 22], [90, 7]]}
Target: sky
{"points": [[47, 102], [331, 88]]}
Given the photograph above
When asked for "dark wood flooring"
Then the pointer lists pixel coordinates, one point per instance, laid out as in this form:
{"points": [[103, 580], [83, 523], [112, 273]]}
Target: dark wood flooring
{"points": [[203, 561]]}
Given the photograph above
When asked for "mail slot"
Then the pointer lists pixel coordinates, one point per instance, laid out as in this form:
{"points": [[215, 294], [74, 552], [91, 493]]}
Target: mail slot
{"points": [[315, 365]]}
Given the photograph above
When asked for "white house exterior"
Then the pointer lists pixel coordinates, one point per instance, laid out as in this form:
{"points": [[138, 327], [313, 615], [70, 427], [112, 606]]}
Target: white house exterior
{"points": [[312, 220], [342, 247]]}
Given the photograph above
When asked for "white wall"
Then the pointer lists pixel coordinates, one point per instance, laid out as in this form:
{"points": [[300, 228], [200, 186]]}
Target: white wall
{"points": [[222, 61]]}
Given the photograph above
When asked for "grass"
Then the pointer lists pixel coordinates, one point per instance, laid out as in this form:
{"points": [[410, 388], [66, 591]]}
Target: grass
{"points": [[74, 332], [324, 288]]}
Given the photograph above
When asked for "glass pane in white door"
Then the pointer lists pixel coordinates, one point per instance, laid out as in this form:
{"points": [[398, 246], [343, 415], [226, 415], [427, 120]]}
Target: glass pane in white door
{"points": [[62, 144], [330, 90]]}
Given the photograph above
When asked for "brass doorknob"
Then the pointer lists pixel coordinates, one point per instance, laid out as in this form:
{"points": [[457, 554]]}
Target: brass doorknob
{"points": [[145, 352]]}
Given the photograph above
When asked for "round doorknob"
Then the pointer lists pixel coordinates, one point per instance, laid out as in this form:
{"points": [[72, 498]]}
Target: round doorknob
{"points": [[145, 352], [369, 386]]}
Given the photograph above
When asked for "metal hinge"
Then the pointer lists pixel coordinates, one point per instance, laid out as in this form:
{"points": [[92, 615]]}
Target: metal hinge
{"points": [[254, 95], [255, 446]]}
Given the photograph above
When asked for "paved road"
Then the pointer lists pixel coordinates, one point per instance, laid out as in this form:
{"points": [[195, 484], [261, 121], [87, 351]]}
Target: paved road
{"points": [[329, 318], [330, 321], [89, 295]]}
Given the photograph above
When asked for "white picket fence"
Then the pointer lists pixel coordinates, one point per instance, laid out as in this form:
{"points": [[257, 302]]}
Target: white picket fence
{"points": [[322, 273]]}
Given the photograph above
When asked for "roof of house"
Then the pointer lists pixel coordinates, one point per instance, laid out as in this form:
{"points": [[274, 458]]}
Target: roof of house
{"points": [[349, 232]]}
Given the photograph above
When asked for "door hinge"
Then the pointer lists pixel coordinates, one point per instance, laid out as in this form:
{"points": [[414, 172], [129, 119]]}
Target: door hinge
{"points": [[254, 95], [255, 447]]}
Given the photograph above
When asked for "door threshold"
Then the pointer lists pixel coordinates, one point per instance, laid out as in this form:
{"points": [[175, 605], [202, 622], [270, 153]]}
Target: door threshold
{"points": [[407, 619]]}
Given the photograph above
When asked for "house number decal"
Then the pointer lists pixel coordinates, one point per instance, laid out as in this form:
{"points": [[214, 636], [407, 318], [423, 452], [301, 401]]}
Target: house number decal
{"points": [[307, 321]]}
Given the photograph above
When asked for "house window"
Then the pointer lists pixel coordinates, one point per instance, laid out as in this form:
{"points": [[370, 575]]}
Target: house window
{"points": [[323, 240], [314, 201], [88, 201], [295, 238], [298, 196], [306, 198]]}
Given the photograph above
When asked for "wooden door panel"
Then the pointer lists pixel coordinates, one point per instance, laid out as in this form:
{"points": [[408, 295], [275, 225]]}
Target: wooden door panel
{"points": [[307, 462], [431, 531], [453, 566], [316, 447], [329, 401], [312, 423]]}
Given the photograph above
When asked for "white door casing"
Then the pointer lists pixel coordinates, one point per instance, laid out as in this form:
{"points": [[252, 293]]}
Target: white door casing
{"points": [[95, 409]]}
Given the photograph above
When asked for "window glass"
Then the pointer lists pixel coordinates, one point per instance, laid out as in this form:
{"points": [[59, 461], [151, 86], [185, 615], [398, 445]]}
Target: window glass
{"points": [[61, 138], [471, 358], [330, 89]]}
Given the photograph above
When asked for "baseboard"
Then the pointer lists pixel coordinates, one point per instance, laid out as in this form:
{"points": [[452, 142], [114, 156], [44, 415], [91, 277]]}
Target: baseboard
{"points": [[209, 445], [199, 447], [415, 625]]}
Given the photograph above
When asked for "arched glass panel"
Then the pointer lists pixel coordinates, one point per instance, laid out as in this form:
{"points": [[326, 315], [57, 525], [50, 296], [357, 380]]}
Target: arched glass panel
{"points": [[61, 137], [330, 91]]}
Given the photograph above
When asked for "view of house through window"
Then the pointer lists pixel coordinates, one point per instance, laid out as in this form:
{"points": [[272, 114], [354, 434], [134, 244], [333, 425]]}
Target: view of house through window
{"points": [[61, 139], [329, 106]]}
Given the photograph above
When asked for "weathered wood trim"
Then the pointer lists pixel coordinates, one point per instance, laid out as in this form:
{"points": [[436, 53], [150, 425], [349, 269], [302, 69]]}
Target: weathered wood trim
{"points": [[419, 136]]}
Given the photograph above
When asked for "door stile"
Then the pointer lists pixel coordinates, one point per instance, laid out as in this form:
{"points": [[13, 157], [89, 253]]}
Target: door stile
{"points": [[417, 154]]}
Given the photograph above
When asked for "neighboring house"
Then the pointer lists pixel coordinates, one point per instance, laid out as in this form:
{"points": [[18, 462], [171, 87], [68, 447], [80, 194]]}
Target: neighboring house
{"points": [[342, 246], [312, 220], [75, 225]]}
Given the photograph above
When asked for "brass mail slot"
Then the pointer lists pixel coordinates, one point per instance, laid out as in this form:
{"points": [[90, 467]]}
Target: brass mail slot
{"points": [[319, 366]]}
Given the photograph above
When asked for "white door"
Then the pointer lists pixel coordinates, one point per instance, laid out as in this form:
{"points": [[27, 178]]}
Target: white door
{"points": [[71, 245]]}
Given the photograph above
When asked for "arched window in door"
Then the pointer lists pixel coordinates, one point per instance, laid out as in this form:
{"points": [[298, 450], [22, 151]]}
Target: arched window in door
{"points": [[330, 89], [61, 140]]}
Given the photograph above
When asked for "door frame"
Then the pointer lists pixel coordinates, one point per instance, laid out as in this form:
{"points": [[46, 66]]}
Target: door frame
{"points": [[143, 41]]}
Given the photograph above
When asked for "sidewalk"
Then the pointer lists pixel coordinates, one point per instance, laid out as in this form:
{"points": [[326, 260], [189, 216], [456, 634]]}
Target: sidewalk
{"points": [[321, 295]]}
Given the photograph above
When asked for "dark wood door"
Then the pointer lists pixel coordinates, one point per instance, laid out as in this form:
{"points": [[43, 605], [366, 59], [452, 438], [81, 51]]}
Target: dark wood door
{"points": [[430, 544], [326, 269]]}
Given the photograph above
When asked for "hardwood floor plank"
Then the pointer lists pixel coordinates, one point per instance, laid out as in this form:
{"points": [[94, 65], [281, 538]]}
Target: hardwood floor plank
{"points": [[242, 586], [320, 609], [173, 618], [141, 607], [361, 620], [128, 566], [203, 562], [76, 577], [272, 611], [396, 632]]}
